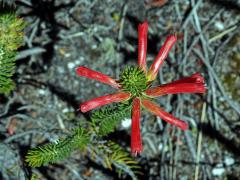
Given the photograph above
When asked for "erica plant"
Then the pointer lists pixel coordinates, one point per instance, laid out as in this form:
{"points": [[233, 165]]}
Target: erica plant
{"points": [[134, 92], [135, 84]]}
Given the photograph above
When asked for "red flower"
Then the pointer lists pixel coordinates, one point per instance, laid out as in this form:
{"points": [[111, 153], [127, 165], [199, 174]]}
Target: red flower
{"points": [[167, 46], [134, 85], [91, 74], [192, 84], [103, 100], [136, 140], [142, 45]]}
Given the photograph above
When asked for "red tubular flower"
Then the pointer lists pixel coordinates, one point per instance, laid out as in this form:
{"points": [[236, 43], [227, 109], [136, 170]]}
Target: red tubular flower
{"points": [[142, 45], [192, 84], [136, 140], [176, 89], [162, 55], [153, 108], [103, 100], [91, 74]]}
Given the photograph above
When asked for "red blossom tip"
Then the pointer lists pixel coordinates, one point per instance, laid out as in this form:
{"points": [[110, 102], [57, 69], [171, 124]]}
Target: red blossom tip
{"points": [[194, 78], [142, 45], [103, 100], [91, 74], [191, 84], [136, 140], [155, 109], [162, 55]]}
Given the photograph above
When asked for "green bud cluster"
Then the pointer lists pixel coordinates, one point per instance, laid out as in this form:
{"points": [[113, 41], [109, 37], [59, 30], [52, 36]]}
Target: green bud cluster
{"points": [[133, 80]]}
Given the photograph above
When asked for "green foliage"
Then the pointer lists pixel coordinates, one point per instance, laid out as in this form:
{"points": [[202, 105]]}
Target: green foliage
{"points": [[53, 152], [133, 80], [7, 66], [112, 155], [106, 119], [34, 177], [11, 37], [103, 122]]}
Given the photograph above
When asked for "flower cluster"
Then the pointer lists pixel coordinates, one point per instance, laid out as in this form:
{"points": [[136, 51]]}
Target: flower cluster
{"points": [[135, 83]]}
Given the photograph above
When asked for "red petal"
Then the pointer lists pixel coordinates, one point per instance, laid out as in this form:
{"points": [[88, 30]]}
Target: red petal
{"points": [[176, 88], [142, 45], [155, 109], [136, 140], [91, 74], [103, 100], [162, 55]]}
